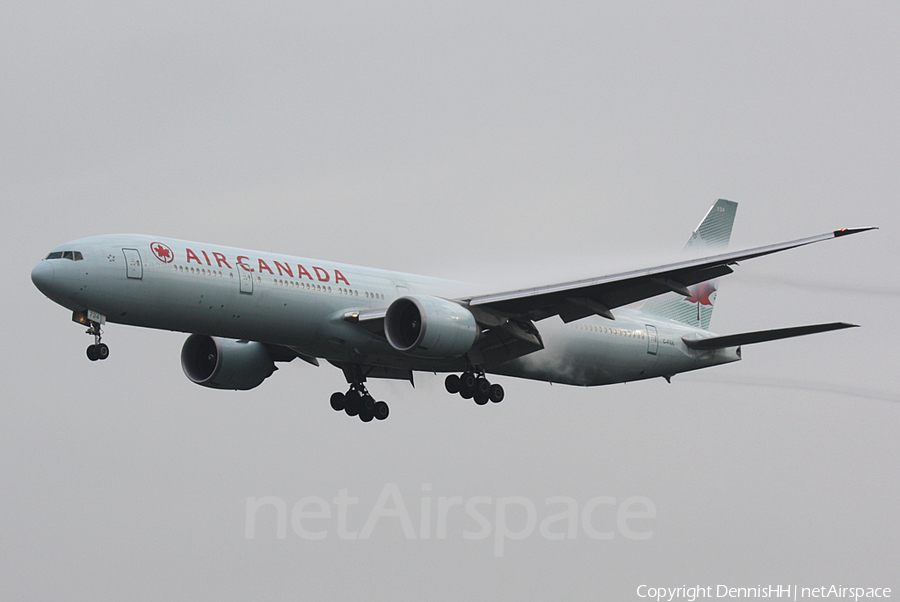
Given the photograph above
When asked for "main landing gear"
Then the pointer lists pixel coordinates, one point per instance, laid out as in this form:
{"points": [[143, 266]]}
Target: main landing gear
{"points": [[97, 351], [358, 402], [473, 385]]}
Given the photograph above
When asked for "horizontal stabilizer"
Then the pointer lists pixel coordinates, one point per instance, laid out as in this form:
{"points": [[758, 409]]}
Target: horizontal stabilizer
{"points": [[760, 336]]}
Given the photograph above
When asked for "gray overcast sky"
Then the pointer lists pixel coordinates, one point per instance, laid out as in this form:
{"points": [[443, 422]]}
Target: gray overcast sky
{"points": [[503, 144]]}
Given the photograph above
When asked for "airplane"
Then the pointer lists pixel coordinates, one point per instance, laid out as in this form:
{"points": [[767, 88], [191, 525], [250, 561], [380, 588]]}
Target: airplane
{"points": [[246, 310]]}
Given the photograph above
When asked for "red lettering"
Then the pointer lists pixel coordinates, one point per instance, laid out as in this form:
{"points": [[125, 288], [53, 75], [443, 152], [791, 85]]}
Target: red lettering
{"points": [[191, 255], [280, 267], [319, 272], [264, 266], [338, 277], [220, 259], [205, 255], [242, 261], [301, 272]]}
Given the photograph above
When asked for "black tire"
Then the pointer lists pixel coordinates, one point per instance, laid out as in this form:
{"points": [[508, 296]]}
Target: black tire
{"points": [[337, 401], [451, 383], [481, 398], [467, 382], [381, 410], [467, 385], [482, 388], [368, 403], [496, 394], [352, 403], [102, 351], [366, 415], [92, 353]]}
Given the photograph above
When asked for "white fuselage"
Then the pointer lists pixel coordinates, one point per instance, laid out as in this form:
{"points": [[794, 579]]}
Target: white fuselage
{"points": [[301, 303]]}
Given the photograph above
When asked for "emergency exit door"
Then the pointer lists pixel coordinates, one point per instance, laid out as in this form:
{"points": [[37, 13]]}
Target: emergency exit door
{"points": [[134, 267], [652, 340], [246, 278]]}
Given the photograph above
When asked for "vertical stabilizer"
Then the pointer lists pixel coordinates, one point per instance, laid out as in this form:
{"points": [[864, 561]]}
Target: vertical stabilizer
{"points": [[710, 237]]}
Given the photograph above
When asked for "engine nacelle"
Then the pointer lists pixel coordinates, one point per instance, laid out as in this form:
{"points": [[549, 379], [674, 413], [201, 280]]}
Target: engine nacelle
{"points": [[225, 363], [430, 327]]}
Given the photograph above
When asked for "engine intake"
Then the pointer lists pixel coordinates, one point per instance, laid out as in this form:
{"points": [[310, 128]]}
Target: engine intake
{"points": [[225, 363], [430, 327]]}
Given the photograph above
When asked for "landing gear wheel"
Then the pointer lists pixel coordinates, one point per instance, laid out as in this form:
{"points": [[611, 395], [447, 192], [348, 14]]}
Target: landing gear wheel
{"points": [[381, 410], [467, 385], [482, 391], [467, 382], [452, 384], [97, 351], [473, 384], [353, 404], [358, 401]]}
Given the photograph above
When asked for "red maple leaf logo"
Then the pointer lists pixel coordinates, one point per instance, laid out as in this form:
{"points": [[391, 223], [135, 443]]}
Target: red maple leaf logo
{"points": [[162, 252], [700, 293]]}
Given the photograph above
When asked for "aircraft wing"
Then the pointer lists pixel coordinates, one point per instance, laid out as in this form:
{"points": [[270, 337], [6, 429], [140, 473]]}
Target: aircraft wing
{"points": [[581, 298]]}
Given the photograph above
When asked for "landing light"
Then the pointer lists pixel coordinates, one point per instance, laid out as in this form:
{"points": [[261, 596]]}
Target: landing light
{"points": [[88, 317]]}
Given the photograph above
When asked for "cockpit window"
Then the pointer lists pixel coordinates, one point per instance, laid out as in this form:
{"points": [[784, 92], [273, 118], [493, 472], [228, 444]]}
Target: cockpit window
{"points": [[72, 255]]}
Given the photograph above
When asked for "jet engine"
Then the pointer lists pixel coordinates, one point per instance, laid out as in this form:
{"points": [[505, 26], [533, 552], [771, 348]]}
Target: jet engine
{"points": [[430, 327], [225, 363]]}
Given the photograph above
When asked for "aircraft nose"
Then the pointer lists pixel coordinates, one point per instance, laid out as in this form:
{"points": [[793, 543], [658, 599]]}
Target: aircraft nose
{"points": [[42, 276]]}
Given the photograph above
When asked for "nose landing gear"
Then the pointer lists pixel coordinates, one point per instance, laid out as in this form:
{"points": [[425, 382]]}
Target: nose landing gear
{"points": [[93, 320], [97, 351]]}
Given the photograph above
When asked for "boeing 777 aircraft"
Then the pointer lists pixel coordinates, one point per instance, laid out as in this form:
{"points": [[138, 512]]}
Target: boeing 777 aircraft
{"points": [[246, 310]]}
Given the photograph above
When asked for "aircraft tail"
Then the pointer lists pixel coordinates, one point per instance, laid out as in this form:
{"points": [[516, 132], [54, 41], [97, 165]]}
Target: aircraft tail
{"points": [[710, 237], [760, 336]]}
